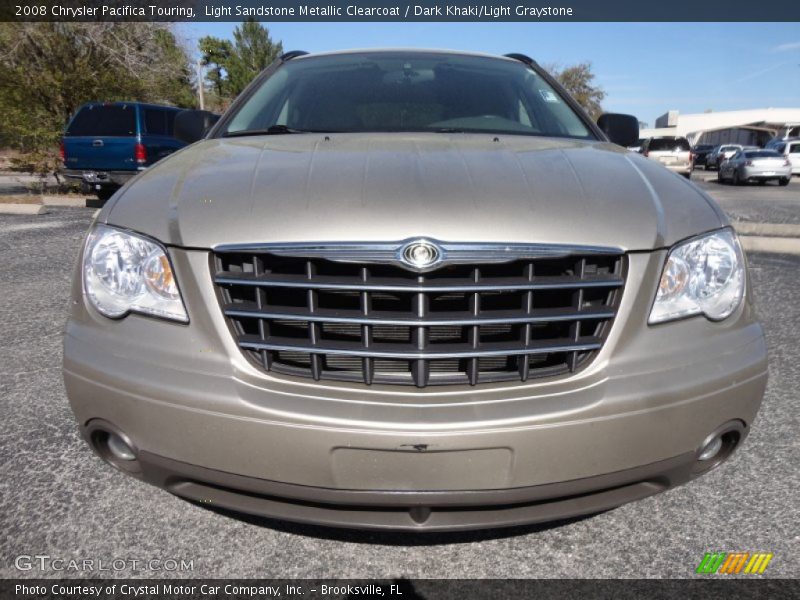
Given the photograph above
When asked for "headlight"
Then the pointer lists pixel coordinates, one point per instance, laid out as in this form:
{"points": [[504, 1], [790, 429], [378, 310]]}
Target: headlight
{"points": [[703, 275], [124, 272]]}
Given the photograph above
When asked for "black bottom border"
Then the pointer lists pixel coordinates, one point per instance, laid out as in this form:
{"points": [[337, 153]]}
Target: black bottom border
{"points": [[708, 587]]}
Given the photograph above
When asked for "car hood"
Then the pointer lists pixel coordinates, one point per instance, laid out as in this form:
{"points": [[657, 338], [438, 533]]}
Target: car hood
{"points": [[389, 187]]}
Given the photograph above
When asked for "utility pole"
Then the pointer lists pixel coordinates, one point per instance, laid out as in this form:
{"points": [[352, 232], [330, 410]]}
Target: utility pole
{"points": [[200, 79]]}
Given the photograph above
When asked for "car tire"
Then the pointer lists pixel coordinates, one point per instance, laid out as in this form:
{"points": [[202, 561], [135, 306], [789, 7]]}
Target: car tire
{"points": [[688, 175], [784, 181], [104, 194], [736, 180]]}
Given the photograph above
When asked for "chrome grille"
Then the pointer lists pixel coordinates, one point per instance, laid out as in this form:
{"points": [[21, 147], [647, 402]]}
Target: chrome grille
{"points": [[383, 323]]}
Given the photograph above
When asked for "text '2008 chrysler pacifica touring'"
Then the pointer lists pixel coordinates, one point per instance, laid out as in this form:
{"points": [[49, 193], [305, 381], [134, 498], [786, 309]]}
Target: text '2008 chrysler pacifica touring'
{"points": [[414, 290]]}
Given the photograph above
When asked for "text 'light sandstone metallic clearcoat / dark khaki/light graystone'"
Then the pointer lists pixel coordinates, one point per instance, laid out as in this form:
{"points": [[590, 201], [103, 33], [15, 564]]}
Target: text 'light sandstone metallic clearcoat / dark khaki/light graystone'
{"points": [[412, 290]]}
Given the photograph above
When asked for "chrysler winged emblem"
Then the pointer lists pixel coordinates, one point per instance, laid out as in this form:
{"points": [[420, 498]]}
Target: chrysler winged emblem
{"points": [[420, 254]]}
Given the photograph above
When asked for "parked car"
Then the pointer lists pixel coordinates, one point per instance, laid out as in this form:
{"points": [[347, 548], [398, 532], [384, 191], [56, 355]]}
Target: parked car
{"points": [[721, 153], [415, 290], [790, 131], [701, 152], [711, 158], [637, 147], [790, 149], [674, 152], [756, 165], [107, 143]]}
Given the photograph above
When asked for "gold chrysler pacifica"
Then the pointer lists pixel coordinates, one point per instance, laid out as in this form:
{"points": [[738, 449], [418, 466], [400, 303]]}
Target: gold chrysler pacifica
{"points": [[412, 290]]}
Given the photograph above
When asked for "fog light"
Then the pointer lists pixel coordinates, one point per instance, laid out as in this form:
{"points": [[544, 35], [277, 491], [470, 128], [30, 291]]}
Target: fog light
{"points": [[718, 446], [118, 448], [113, 446], [711, 449]]}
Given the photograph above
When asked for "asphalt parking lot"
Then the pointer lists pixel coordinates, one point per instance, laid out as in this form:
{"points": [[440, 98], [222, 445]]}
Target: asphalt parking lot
{"points": [[769, 203], [58, 499]]}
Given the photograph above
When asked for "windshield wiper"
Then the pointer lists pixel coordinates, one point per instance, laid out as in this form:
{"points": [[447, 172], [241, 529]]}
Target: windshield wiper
{"points": [[272, 130]]}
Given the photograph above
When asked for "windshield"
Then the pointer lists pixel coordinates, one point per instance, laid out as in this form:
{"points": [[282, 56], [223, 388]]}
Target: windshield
{"points": [[388, 91]]}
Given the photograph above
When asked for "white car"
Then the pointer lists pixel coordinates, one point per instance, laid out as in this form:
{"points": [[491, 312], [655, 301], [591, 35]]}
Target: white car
{"points": [[791, 150]]}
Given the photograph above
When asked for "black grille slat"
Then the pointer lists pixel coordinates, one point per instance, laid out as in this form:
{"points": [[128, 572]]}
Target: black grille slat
{"points": [[381, 323], [314, 328], [473, 368], [263, 324], [523, 362], [420, 369], [575, 328], [367, 363]]}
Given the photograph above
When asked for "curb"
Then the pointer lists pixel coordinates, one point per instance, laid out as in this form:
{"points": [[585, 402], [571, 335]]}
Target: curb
{"points": [[767, 229], [22, 209], [774, 238], [773, 245], [64, 201]]}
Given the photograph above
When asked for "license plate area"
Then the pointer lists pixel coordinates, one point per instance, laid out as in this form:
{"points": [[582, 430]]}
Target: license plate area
{"points": [[420, 469]]}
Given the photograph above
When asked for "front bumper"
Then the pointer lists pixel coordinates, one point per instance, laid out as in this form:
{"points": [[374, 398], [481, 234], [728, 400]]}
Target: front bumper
{"points": [[414, 511], [211, 427]]}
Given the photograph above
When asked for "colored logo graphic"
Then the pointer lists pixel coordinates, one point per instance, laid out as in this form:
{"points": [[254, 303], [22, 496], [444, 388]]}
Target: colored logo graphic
{"points": [[728, 563]]}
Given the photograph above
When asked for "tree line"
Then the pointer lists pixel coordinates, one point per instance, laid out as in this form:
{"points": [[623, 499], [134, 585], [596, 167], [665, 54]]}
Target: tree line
{"points": [[47, 70]]}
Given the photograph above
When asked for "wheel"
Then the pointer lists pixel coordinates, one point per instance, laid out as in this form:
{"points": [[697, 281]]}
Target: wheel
{"points": [[104, 193], [762, 182], [736, 180], [687, 175], [719, 177], [784, 181]]}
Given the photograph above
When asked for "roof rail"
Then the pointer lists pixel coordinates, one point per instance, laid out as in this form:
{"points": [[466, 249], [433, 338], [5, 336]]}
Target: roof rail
{"points": [[522, 58], [292, 54]]}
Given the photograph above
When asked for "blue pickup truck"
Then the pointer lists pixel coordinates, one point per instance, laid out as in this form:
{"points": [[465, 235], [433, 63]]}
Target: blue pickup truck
{"points": [[107, 143]]}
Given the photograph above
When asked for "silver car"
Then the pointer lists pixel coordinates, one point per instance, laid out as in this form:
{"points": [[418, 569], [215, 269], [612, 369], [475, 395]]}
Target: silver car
{"points": [[756, 165], [415, 290]]}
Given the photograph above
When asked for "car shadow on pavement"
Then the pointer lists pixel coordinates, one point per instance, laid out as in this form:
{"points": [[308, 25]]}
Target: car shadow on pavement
{"points": [[392, 538]]}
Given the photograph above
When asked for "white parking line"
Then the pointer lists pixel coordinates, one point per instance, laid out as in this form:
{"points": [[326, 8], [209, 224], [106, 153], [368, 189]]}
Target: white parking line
{"points": [[30, 226]]}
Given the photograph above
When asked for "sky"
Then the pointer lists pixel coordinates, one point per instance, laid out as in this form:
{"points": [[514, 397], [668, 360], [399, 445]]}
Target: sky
{"points": [[645, 69]]}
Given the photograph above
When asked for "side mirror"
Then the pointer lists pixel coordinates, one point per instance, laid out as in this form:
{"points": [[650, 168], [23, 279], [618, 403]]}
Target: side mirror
{"points": [[620, 129], [192, 125]]}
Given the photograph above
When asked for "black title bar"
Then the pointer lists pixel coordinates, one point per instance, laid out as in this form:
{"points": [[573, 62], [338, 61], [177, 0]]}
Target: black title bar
{"points": [[421, 10]]}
